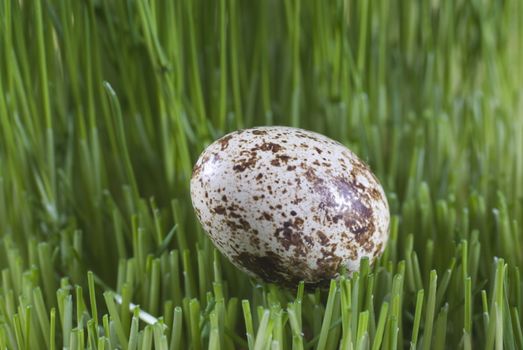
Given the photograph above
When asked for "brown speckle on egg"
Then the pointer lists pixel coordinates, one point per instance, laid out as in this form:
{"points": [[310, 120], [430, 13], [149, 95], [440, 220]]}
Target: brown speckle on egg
{"points": [[285, 205]]}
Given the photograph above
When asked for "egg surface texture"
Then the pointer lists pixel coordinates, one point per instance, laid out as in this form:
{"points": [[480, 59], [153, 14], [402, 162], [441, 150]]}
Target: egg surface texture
{"points": [[286, 204]]}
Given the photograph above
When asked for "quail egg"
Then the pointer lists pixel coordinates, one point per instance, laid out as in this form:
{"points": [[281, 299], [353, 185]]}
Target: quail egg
{"points": [[287, 204]]}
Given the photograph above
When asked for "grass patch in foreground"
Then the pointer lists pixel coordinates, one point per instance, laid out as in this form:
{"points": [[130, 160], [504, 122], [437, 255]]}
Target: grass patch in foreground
{"points": [[104, 106]]}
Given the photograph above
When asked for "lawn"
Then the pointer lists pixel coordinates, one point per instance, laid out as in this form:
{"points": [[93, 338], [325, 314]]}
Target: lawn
{"points": [[106, 105]]}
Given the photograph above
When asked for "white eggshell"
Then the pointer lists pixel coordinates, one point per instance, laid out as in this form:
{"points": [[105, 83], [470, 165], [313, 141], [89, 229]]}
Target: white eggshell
{"points": [[286, 204]]}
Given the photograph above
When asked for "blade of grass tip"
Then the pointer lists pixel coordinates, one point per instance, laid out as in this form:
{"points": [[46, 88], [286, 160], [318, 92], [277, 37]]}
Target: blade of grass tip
{"points": [[495, 337], [464, 259], [417, 271], [160, 340], [500, 302], [219, 310], [333, 338], [467, 327], [37, 338], [346, 341], [486, 316], [495, 325], [190, 284], [363, 334], [296, 328], [299, 301], [186, 313], [125, 276], [101, 343], [214, 336], [47, 271], [355, 308], [166, 241], [133, 334], [113, 312], [154, 287], [441, 328], [79, 338], [393, 332], [260, 310], [369, 304], [202, 273], [475, 253], [249, 328], [232, 313], [216, 265], [518, 290], [509, 339], [417, 319], [16, 269], [3, 339], [194, 307], [41, 313], [126, 309], [325, 327], [52, 331], [29, 335], [429, 256], [167, 315], [65, 308], [271, 297], [137, 251], [240, 342], [363, 273], [8, 304], [80, 307], [122, 275], [517, 328], [42, 68], [113, 337], [92, 335], [18, 332], [345, 291], [77, 251], [429, 314], [176, 334], [277, 329], [214, 339], [263, 330], [397, 299], [158, 231], [147, 339], [117, 114], [443, 285], [380, 329], [174, 267], [74, 339]]}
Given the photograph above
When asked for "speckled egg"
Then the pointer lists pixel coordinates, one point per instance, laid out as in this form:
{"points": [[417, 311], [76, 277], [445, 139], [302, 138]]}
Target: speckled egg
{"points": [[286, 204]]}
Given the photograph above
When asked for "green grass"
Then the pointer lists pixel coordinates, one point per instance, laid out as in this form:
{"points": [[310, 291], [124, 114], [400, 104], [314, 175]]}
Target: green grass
{"points": [[105, 105]]}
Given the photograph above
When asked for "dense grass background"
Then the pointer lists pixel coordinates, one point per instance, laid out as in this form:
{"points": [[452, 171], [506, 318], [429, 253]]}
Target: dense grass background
{"points": [[105, 105]]}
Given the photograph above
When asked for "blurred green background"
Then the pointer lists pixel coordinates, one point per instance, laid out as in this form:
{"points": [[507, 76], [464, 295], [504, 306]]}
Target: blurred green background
{"points": [[105, 105]]}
